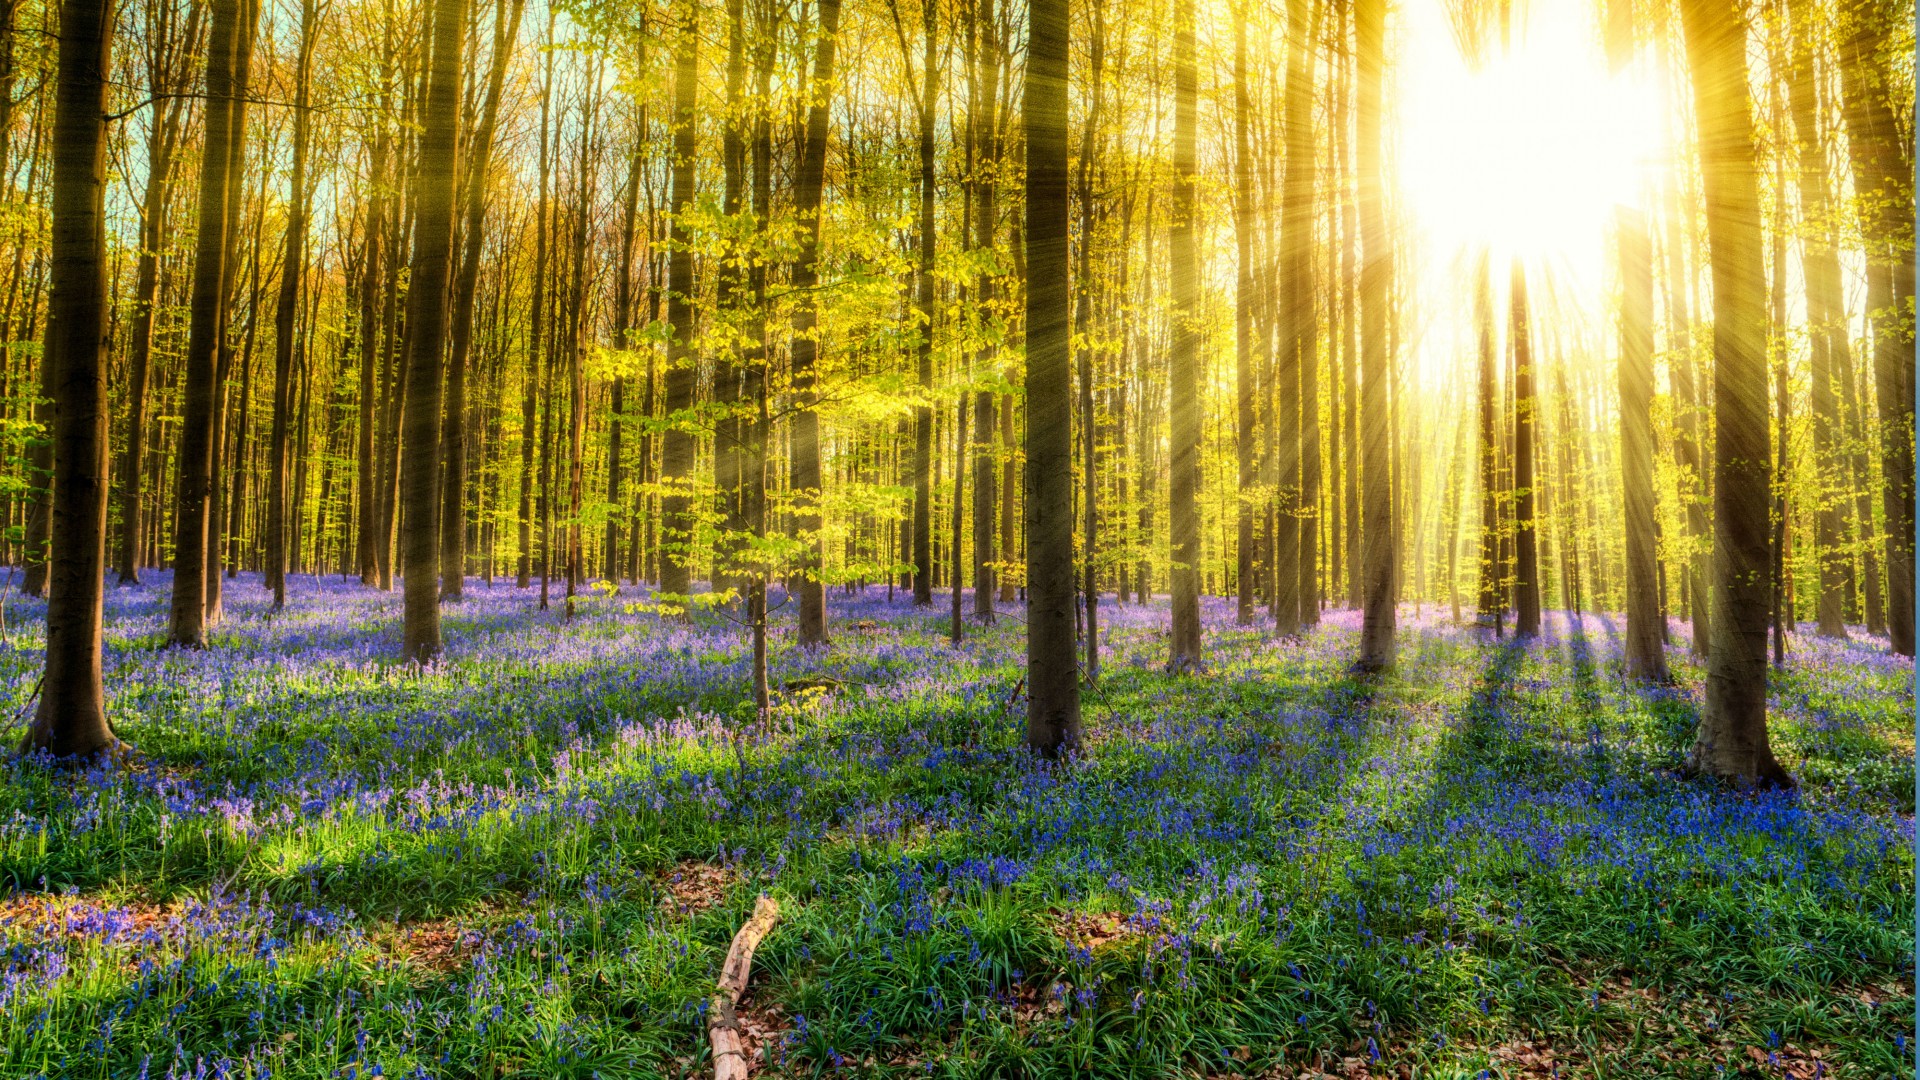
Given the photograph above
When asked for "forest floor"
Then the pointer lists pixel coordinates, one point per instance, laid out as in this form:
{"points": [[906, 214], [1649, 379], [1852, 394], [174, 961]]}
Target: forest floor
{"points": [[529, 862]]}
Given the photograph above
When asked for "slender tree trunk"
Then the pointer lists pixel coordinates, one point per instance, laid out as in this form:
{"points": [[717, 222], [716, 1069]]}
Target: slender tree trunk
{"points": [[1350, 329], [1491, 607], [453, 428], [1645, 645], [1826, 325], [1884, 178], [192, 509], [923, 349], [427, 302], [1184, 361], [576, 329], [1303, 327], [622, 334], [220, 482], [1526, 554], [804, 458], [1243, 305], [536, 328], [1731, 742], [71, 718], [1053, 683], [367, 548], [1379, 559], [163, 142], [676, 510], [1683, 374], [956, 629], [1083, 328], [286, 310], [985, 220]]}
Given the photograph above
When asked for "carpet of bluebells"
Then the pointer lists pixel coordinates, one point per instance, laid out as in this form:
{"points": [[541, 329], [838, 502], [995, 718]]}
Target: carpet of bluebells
{"points": [[529, 861]]}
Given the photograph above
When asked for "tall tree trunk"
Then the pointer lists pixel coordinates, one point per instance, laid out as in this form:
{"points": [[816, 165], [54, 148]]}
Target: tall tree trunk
{"points": [[453, 428], [803, 476], [1379, 560], [71, 719], [759, 426], [1731, 742], [1526, 552], [220, 482], [1184, 362], [1053, 683], [956, 628], [537, 323], [576, 329], [1350, 326], [1304, 329], [427, 302], [162, 143], [1646, 652], [676, 468], [1883, 177], [1491, 606], [1826, 325], [923, 349], [1243, 303], [1683, 375], [285, 311], [367, 546], [206, 320], [729, 274], [1083, 329], [622, 333], [984, 129]]}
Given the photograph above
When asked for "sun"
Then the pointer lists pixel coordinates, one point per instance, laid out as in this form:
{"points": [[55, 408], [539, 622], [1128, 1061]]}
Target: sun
{"points": [[1529, 152], [1527, 156]]}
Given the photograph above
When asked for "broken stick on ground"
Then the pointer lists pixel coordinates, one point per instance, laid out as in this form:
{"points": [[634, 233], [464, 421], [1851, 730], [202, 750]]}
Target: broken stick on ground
{"points": [[723, 1027]]}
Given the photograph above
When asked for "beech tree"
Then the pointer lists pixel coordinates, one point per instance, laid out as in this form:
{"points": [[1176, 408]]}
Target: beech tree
{"points": [[1731, 742], [71, 719]]}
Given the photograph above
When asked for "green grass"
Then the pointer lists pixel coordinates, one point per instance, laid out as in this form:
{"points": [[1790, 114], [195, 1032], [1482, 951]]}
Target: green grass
{"points": [[1487, 863]]}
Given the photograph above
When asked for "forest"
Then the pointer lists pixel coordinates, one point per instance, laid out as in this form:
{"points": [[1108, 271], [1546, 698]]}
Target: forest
{"points": [[966, 538]]}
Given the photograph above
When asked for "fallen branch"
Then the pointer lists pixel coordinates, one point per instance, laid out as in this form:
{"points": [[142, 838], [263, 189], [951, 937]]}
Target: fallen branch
{"points": [[1013, 697], [723, 1027]]}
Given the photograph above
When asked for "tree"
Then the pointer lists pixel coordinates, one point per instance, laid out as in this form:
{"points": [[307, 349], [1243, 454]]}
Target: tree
{"points": [[286, 310], [1646, 652], [474, 186], [983, 131], [1378, 553], [1083, 335], [1526, 586], [1883, 177], [1731, 740], [1184, 359], [167, 61], [427, 302], [1304, 329], [71, 719], [224, 122], [1826, 325], [1244, 299], [1491, 605], [928, 98], [367, 554], [1053, 680], [676, 463], [803, 474]]}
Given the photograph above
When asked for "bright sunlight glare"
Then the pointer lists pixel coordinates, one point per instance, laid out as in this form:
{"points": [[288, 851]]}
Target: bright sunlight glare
{"points": [[1526, 155], [1531, 151]]}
